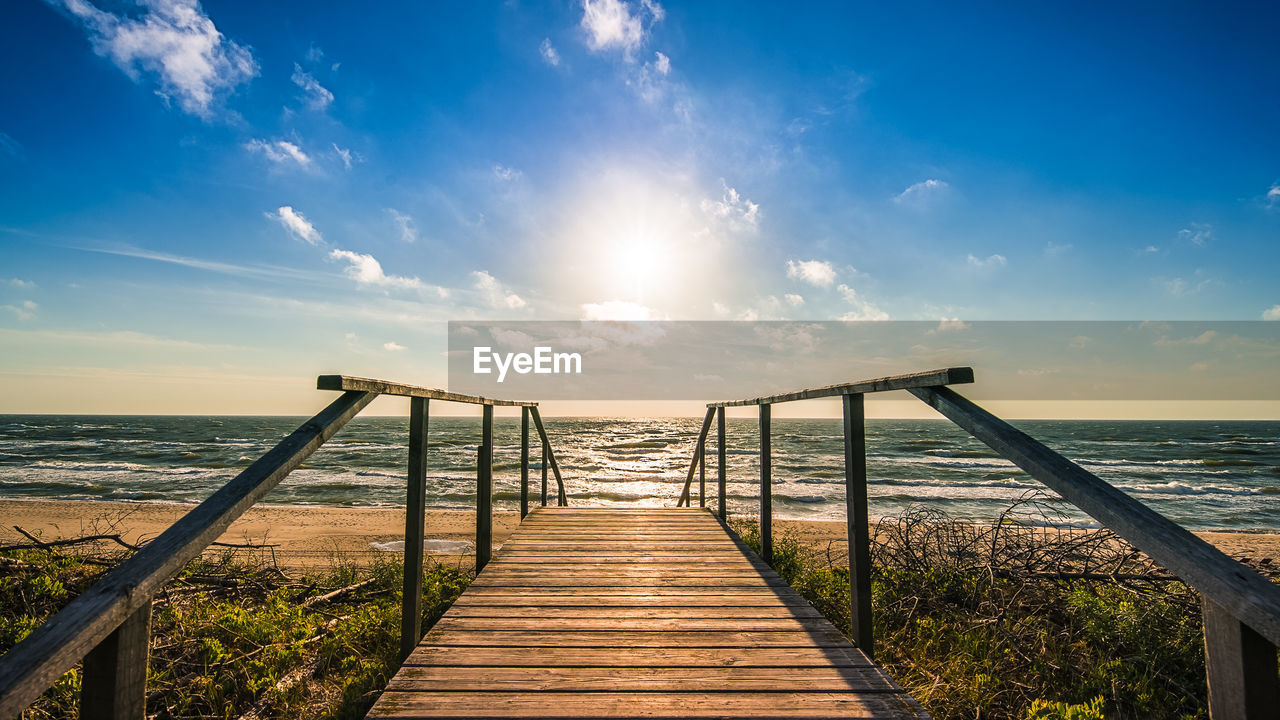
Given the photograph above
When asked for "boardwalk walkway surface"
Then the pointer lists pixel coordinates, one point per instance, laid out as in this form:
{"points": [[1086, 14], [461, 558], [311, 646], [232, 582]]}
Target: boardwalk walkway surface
{"points": [[593, 612]]}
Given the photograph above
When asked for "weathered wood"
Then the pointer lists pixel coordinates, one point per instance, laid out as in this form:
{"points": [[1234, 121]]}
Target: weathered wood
{"points": [[1239, 590], [114, 684], [484, 491], [669, 657], [702, 473], [855, 497], [948, 376], [524, 704], [697, 457], [722, 478], [659, 679], [549, 455], [36, 662], [546, 452], [384, 387], [415, 510], [524, 462], [1240, 666], [766, 484]]}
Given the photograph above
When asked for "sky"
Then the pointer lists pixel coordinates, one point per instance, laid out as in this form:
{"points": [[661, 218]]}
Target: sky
{"points": [[205, 205]]}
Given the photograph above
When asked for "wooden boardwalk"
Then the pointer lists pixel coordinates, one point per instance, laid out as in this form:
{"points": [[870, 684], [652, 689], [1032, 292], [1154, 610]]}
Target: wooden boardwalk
{"points": [[593, 612]]}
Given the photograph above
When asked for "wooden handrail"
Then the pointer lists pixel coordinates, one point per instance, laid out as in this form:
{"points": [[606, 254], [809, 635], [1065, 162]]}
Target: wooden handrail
{"points": [[947, 376], [562, 498], [698, 456], [383, 387]]}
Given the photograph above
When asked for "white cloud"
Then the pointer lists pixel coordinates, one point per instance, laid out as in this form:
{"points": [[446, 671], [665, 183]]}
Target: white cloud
{"points": [[990, 261], [919, 194], [314, 53], [611, 24], [1199, 234], [366, 270], [1273, 196], [1053, 249], [297, 225], [549, 53], [392, 347], [176, 42], [317, 96], [506, 174], [280, 152], [20, 283], [22, 311], [344, 154], [815, 272], [1150, 250], [408, 231], [619, 310], [495, 293], [739, 212], [862, 310], [793, 299], [1271, 313], [662, 64]]}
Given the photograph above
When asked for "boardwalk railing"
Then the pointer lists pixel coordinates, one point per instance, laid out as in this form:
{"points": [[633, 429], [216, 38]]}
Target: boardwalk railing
{"points": [[109, 624], [1241, 608]]}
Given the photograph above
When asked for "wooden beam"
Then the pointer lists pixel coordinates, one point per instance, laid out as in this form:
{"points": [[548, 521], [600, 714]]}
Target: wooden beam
{"points": [[1239, 590], [720, 462], [693, 464], [561, 498], [546, 453], [855, 499], [34, 664], [484, 492], [1240, 666], [524, 462], [114, 685], [383, 387], [415, 508], [766, 484], [947, 376]]}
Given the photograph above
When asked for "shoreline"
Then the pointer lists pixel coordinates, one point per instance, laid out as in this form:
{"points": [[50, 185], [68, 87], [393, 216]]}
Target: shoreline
{"points": [[316, 534]]}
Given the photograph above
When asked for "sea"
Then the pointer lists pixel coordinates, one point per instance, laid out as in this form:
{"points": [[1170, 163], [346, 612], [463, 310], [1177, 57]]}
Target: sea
{"points": [[1206, 475]]}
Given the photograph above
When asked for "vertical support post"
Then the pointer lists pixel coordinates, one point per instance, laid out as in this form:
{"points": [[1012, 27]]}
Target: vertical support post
{"points": [[855, 499], [524, 462], [766, 484], [415, 508], [114, 685], [720, 458], [1240, 666], [484, 492], [702, 472], [546, 450]]}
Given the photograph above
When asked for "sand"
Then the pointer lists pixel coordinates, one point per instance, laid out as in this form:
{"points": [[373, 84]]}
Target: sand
{"points": [[304, 535]]}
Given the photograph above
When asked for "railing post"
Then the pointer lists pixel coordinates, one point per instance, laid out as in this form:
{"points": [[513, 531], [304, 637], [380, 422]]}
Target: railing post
{"points": [[855, 499], [1240, 666], [415, 508], [524, 462], [766, 485], [484, 492], [114, 685], [546, 450], [720, 458], [702, 472]]}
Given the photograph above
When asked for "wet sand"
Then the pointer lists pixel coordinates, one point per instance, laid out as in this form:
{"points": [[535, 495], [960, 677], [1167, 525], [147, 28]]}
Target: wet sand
{"points": [[304, 535]]}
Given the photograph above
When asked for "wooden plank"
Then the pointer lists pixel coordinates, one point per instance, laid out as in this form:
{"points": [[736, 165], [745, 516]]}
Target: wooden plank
{"points": [[633, 582], [636, 657], [930, 378], [674, 599], [1241, 668], [665, 680], [626, 624], [812, 638], [632, 611], [349, 383], [114, 685], [855, 497], [671, 705], [414, 526], [35, 663], [1239, 590]]}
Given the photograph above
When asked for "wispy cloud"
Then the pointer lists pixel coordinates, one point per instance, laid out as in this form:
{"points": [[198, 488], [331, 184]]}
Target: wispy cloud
{"points": [[408, 231], [9, 146], [612, 24], [988, 262], [494, 293], [793, 299], [549, 53], [316, 95], [862, 310], [21, 284], [174, 41], [392, 346], [506, 174], [23, 311], [366, 270], [1273, 196], [815, 272], [297, 225], [266, 272], [346, 156], [1271, 313], [1199, 234], [280, 152], [1053, 249], [112, 338], [922, 193], [739, 212]]}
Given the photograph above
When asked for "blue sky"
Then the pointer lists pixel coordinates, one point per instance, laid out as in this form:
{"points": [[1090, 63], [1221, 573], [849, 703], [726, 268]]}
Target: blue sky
{"points": [[202, 206]]}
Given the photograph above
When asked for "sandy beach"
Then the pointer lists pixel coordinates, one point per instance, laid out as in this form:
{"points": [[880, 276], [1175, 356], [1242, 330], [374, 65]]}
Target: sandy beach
{"points": [[303, 535]]}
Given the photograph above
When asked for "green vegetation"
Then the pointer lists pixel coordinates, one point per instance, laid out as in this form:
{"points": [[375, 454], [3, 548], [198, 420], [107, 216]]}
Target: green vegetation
{"points": [[1015, 621], [233, 634]]}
